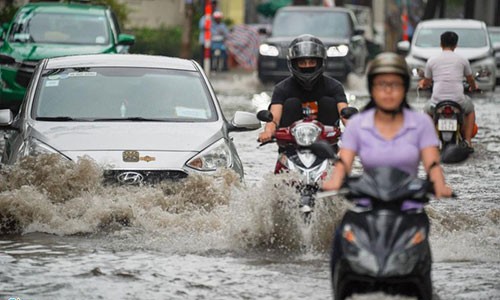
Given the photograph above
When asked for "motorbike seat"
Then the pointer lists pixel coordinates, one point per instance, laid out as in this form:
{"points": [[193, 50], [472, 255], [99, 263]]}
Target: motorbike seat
{"points": [[449, 103]]}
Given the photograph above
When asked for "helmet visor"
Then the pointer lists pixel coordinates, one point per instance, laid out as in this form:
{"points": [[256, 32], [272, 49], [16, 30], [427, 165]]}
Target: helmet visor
{"points": [[306, 49]]}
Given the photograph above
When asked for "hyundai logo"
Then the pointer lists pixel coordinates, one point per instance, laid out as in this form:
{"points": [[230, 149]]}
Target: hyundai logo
{"points": [[130, 178]]}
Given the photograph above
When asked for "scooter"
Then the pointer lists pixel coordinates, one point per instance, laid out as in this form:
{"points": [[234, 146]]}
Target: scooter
{"points": [[218, 54], [296, 155], [382, 242]]}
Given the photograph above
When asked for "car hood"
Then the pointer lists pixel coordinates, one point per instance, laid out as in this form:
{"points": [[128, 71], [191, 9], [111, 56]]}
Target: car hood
{"points": [[285, 41], [469, 53], [168, 145], [34, 52]]}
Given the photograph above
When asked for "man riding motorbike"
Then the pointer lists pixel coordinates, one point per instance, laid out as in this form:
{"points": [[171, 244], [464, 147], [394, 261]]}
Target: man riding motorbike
{"points": [[445, 73], [307, 92]]}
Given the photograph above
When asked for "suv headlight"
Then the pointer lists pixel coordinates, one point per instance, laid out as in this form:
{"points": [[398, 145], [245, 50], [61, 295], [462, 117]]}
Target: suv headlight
{"points": [[268, 50], [306, 133], [337, 51], [216, 156]]}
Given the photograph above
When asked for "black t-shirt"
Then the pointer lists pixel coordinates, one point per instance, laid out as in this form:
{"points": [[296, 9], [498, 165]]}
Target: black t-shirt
{"points": [[326, 89]]}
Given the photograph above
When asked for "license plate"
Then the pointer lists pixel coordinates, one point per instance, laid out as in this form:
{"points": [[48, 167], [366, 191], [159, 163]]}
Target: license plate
{"points": [[447, 125]]}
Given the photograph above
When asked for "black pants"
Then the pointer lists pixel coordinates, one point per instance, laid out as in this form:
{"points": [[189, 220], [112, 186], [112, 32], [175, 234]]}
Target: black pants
{"points": [[327, 111]]}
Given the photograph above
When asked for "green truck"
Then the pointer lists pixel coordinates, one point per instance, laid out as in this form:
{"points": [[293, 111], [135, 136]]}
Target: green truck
{"points": [[42, 30]]}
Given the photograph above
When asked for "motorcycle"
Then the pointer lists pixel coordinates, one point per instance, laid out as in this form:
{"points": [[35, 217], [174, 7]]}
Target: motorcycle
{"points": [[448, 120], [382, 242], [296, 155], [218, 53]]}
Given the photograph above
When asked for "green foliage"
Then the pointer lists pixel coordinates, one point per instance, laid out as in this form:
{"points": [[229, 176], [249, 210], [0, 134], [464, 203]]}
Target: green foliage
{"points": [[7, 13], [121, 10], [161, 41]]}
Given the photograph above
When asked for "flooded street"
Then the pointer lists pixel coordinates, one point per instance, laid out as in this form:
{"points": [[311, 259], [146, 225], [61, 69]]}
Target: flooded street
{"points": [[64, 236]]}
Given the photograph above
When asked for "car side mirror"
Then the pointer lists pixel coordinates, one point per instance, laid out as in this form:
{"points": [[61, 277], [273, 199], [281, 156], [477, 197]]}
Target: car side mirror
{"points": [[403, 47], [244, 121], [348, 112], [6, 118], [126, 39], [359, 31], [265, 116]]}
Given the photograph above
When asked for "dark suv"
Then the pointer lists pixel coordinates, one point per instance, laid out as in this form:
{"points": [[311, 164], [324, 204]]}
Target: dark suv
{"points": [[336, 27], [42, 30]]}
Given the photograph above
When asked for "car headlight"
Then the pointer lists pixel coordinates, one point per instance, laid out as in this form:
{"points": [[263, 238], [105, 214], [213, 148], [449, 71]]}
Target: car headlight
{"points": [[35, 147], [268, 50], [306, 133], [216, 156], [482, 73], [337, 51]]}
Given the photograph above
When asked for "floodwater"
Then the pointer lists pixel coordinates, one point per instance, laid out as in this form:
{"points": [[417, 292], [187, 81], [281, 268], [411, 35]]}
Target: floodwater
{"points": [[64, 236]]}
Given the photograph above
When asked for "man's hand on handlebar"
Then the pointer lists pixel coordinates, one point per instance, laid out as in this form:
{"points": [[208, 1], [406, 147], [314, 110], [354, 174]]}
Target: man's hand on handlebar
{"points": [[265, 136]]}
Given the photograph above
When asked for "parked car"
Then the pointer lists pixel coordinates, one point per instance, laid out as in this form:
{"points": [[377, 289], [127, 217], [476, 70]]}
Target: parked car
{"points": [[495, 40], [146, 118], [42, 30], [473, 43], [336, 27]]}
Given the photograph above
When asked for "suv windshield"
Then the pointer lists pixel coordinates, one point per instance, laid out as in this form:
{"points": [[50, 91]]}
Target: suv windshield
{"points": [[321, 24], [111, 94], [60, 28], [467, 37]]}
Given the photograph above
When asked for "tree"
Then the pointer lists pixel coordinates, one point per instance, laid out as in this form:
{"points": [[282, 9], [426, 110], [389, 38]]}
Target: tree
{"points": [[432, 6], [187, 30]]}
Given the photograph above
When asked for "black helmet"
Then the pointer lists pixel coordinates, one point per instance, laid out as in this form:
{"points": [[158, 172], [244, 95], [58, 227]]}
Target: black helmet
{"points": [[306, 46], [388, 63]]}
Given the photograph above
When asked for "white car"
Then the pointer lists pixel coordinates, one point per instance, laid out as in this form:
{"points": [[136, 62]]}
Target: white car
{"points": [[495, 39], [473, 44], [145, 118]]}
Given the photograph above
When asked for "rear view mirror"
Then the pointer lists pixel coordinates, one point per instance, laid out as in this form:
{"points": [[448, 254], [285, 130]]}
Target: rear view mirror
{"points": [[265, 116], [348, 112]]}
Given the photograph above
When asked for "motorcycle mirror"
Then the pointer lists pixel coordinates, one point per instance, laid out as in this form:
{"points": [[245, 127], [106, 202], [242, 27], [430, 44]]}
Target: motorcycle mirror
{"points": [[348, 112], [454, 154], [265, 116], [323, 149]]}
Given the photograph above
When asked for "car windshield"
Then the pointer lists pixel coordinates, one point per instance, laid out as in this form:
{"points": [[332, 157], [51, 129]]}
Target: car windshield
{"points": [[321, 24], [114, 94], [467, 37], [60, 29]]}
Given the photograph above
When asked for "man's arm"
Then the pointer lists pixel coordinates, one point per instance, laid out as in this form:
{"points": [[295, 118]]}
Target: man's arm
{"points": [[425, 83], [270, 127], [471, 82], [340, 106]]}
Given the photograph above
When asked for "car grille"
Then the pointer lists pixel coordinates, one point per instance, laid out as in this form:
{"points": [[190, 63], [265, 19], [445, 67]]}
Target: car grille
{"points": [[131, 177], [25, 72]]}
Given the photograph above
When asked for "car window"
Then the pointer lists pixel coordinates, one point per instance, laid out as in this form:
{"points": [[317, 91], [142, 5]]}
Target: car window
{"points": [[114, 93], [60, 28], [321, 24], [467, 37]]}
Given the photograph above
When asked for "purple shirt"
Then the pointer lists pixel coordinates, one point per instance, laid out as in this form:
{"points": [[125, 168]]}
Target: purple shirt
{"points": [[402, 151]]}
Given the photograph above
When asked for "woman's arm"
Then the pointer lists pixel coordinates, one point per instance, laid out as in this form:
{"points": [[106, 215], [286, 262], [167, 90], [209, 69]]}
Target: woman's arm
{"points": [[342, 167], [430, 159]]}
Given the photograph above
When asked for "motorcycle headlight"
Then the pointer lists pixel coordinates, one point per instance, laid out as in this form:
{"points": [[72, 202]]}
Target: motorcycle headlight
{"points": [[306, 133], [216, 156], [337, 51], [268, 50]]}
